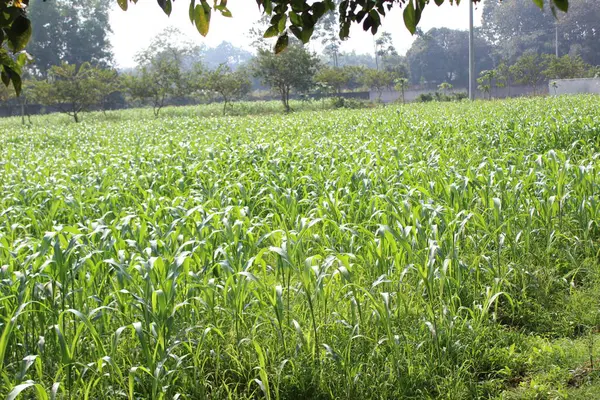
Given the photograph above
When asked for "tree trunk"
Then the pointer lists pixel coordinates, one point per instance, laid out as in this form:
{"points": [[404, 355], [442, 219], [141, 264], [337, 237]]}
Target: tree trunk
{"points": [[76, 117], [22, 112], [285, 98]]}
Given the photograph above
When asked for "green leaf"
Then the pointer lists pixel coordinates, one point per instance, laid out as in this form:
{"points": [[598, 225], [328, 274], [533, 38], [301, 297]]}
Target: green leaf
{"points": [[295, 19], [539, 3], [165, 5], [23, 58], [5, 77], [319, 9], [439, 2], [202, 20], [8, 15], [296, 31], [16, 81], [192, 11], [344, 30], [272, 31], [39, 390], [282, 43], [306, 34], [410, 18], [282, 23], [122, 4], [562, 5], [19, 33], [367, 23]]}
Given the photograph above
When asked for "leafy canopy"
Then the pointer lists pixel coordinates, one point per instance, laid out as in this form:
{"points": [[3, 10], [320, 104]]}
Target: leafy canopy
{"points": [[75, 89], [292, 70], [72, 31], [300, 17]]}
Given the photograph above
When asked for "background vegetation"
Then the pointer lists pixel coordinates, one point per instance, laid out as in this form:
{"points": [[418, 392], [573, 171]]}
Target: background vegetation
{"points": [[171, 71]]}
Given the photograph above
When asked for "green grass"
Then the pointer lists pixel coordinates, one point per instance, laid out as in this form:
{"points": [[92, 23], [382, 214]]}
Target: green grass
{"points": [[425, 251], [241, 108]]}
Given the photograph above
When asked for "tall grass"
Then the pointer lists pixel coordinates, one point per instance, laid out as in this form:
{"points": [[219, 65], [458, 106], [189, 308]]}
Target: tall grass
{"points": [[408, 252]]}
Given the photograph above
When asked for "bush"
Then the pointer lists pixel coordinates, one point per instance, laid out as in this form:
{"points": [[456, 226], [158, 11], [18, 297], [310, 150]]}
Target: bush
{"points": [[425, 97], [342, 102], [439, 96], [459, 96]]}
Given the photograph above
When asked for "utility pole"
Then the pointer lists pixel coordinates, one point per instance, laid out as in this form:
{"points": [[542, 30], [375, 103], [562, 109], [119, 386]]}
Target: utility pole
{"points": [[375, 48], [471, 54], [556, 37]]}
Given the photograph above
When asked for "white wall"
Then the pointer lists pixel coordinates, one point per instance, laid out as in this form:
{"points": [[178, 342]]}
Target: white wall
{"points": [[389, 96], [574, 86]]}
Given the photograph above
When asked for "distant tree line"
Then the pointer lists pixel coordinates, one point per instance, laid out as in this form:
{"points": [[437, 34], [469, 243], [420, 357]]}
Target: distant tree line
{"points": [[72, 62], [511, 30]]}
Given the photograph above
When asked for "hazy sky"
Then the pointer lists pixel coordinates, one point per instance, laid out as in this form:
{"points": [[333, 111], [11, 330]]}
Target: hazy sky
{"points": [[134, 29]]}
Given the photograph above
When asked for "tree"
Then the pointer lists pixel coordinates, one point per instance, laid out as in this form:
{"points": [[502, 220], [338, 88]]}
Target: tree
{"points": [[356, 76], [73, 89], [578, 31], [445, 87], [503, 76], [384, 47], [514, 27], [292, 69], [401, 85], [111, 83], [169, 46], [442, 55], [485, 81], [231, 86], [27, 92], [72, 31], [528, 70], [155, 83], [378, 80], [162, 70], [354, 59], [225, 53], [9, 98], [336, 78], [296, 16], [565, 67], [554, 85], [328, 33]]}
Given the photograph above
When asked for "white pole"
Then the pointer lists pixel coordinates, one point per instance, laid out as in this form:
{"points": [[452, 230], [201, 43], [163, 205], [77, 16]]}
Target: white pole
{"points": [[471, 54], [556, 37]]}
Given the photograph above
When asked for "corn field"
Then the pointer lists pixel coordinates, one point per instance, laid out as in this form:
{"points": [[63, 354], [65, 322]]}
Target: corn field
{"points": [[420, 251]]}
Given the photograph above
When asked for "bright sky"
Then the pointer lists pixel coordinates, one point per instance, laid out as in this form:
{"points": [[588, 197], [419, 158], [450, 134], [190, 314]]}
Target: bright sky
{"points": [[134, 29]]}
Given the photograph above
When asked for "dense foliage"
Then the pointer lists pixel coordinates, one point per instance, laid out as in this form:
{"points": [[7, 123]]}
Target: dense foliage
{"points": [[75, 89], [69, 31], [293, 69], [421, 251]]}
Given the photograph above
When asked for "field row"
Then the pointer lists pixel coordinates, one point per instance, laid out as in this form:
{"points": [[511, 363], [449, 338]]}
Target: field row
{"points": [[420, 251]]}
